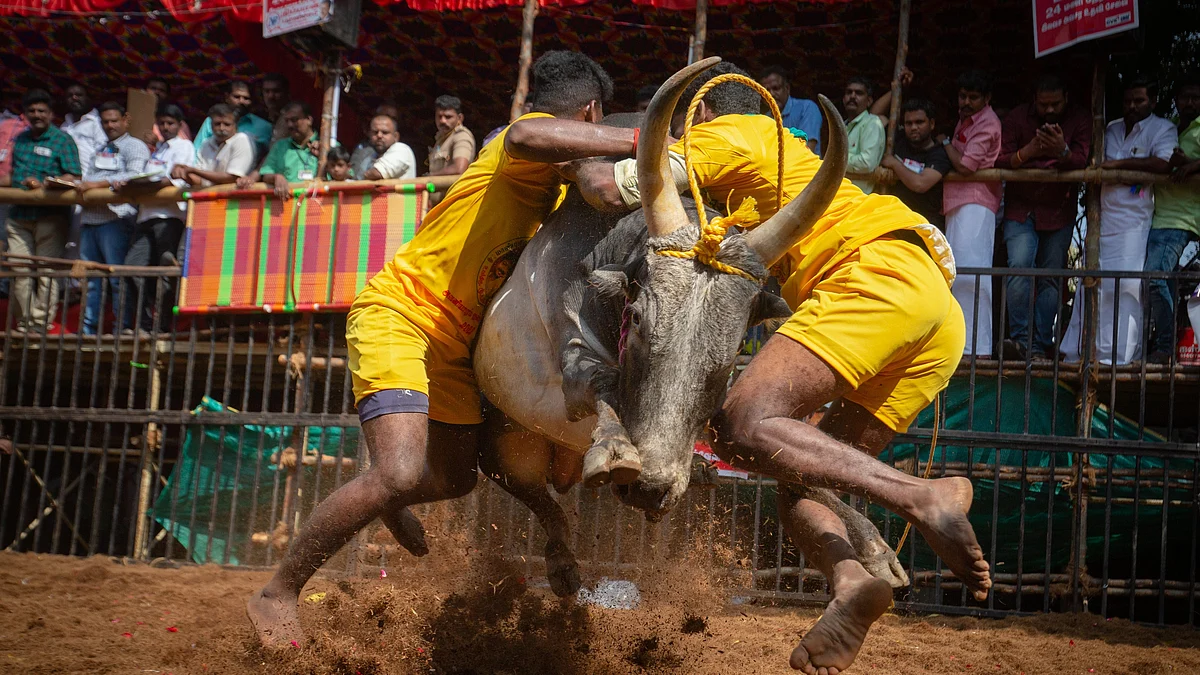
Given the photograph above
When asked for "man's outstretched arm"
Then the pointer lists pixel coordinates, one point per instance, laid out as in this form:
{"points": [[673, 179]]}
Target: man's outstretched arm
{"points": [[551, 140]]}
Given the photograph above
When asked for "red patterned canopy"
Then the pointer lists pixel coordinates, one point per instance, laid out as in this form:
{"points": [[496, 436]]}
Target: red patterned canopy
{"points": [[248, 10]]}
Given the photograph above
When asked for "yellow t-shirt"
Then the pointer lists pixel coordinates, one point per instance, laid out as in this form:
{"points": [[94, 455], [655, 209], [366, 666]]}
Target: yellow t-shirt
{"points": [[471, 241], [737, 156]]}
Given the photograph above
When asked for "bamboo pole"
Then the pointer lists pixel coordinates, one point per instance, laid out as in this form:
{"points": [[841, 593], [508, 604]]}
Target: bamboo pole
{"points": [[700, 33], [329, 72], [901, 57], [1091, 316], [528, 14]]}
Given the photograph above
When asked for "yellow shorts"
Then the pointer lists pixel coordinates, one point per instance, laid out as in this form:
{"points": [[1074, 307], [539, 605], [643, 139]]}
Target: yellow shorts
{"points": [[392, 346], [885, 320]]}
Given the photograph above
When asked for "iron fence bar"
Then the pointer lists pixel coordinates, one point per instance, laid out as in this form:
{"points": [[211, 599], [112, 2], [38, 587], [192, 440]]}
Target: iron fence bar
{"points": [[1133, 554], [1162, 559], [1108, 489]]}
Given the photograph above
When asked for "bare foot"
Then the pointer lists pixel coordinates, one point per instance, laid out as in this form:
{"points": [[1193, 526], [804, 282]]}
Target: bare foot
{"points": [[831, 645], [946, 527], [275, 620]]}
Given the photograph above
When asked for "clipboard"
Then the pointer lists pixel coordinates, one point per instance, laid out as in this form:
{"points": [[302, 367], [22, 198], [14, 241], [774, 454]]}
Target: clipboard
{"points": [[142, 107]]}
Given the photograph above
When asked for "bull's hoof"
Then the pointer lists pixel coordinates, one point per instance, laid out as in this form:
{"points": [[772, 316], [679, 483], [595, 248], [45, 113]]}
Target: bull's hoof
{"points": [[562, 570], [881, 562], [612, 460]]}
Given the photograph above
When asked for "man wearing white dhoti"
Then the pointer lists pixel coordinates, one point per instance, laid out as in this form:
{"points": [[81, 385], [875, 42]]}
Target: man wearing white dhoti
{"points": [[1139, 141]]}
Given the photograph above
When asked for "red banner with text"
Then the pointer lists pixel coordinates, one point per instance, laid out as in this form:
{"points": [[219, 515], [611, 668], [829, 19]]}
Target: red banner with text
{"points": [[1058, 24]]}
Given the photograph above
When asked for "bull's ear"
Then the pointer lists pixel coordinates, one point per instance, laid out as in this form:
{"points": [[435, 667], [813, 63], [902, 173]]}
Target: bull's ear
{"points": [[610, 281], [770, 308]]}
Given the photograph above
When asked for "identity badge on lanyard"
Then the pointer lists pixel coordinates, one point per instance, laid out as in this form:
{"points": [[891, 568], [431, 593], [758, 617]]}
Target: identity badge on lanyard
{"points": [[106, 161]]}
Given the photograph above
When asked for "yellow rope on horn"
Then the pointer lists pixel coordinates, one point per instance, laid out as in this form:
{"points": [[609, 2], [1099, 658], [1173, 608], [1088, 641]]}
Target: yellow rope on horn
{"points": [[746, 215]]}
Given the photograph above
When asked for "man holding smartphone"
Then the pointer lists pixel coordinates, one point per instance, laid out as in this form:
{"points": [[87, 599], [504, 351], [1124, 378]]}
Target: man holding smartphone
{"points": [[1039, 218], [44, 156]]}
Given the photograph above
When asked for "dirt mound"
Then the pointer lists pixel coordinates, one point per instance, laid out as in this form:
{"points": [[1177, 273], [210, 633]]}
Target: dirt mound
{"points": [[464, 613]]}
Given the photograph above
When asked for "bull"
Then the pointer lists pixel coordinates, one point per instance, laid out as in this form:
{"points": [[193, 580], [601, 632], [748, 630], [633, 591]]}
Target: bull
{"points": [[604, 360]]}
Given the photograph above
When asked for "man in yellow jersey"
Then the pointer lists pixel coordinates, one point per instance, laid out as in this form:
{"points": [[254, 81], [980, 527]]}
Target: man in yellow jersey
{"points": [[411, 328], [875, 331]]}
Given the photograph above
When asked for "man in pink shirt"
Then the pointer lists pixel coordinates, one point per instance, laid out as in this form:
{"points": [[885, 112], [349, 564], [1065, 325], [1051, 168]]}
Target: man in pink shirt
{"points": [[971, 208]]}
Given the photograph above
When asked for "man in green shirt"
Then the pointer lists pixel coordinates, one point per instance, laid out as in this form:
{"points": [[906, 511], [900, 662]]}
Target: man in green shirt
{"points": [[1176, 221], [864, 131], [292, 159]]}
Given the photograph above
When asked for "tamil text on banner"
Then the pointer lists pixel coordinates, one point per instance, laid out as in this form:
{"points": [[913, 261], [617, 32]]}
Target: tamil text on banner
{"points": [[285, 16], [1058, 24], [257, 253]]}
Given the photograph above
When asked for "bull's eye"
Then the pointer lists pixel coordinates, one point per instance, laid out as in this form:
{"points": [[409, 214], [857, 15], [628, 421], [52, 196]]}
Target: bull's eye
{"points": [[635, 318]]}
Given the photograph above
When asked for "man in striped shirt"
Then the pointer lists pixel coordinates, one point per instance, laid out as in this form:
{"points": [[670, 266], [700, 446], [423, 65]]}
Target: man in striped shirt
{"points": [[108, 228]]}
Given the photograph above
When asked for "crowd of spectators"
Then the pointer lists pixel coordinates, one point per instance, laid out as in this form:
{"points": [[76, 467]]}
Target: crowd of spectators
{"points": [[275, 140], [239, 142], [1143, 227]]}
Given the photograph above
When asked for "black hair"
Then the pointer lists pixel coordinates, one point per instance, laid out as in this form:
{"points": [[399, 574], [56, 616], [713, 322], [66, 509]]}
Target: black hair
{"points": [[564, 82], [1189, 81], [169, 110], [730, 98], [866, 84], [915, 104], [776, 69], [305, 110], [236, 84], [337, 154], [278, 78], [158, 79], [646, 93], [36, 96], [975, 80], [75, 83], [1142, 82], [1048, 83], [448, 102], [223, 110], [110, 105]]}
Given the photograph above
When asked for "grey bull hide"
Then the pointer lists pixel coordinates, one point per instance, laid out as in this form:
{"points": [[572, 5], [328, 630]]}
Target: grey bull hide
{"points": [[598, 347]]}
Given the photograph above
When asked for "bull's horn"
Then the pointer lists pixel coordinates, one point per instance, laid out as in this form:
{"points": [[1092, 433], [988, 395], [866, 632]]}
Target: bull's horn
{"points": [[774, 238], [660, 202]]}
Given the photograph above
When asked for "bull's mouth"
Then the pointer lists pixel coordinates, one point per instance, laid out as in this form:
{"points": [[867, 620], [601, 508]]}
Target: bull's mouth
{"points": [[654, 501]]}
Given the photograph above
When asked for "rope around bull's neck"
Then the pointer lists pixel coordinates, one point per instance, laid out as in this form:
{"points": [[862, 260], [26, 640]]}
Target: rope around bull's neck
{"points": [[713, 233]]}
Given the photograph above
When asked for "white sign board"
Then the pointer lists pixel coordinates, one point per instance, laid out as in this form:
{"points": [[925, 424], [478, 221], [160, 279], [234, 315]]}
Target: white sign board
{"points": [[286, 16]]}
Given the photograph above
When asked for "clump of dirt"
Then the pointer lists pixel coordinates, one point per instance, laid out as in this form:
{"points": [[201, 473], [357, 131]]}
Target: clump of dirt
{"points": [[693, 624]]}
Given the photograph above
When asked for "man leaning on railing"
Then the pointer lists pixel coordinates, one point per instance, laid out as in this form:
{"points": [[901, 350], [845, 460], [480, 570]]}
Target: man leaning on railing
{"points": [[44, 153]]}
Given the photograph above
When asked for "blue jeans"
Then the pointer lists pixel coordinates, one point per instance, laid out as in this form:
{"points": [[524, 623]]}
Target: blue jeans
{"points": [[1163, 250], [105, 243], [1043, 249]]}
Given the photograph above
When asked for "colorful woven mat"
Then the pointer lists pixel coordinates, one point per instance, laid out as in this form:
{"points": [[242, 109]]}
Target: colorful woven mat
{"points": [[300, 255]]}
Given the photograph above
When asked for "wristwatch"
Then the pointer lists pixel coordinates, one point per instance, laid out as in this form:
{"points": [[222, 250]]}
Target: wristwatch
{"points": [[1066, 152], [945, 141]]}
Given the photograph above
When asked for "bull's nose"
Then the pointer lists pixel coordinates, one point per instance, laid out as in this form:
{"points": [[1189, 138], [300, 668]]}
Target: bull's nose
{"points": [[649, 498]]}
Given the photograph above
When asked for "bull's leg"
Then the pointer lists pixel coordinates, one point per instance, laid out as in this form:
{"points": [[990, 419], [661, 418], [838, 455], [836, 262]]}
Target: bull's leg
{"points": [[854, 426], [612, 457], [872, 551], [407, 530], [589, 386], [520, 462]]}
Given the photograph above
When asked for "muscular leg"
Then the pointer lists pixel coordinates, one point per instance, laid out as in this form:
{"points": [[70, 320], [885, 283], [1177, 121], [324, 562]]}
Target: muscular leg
{"points": [[414, 460], [521, 461], [758, 429], [817, 520], [589, 387]]}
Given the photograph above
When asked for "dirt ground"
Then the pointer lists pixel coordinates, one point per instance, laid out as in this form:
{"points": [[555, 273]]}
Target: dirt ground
{"points": [[68, 615]]}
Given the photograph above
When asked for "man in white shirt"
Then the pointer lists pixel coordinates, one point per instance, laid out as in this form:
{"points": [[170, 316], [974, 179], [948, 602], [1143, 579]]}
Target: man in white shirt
{"points": [[1139, 141], [159, 228], [396, 160], [83, 124], [224, 157]]}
